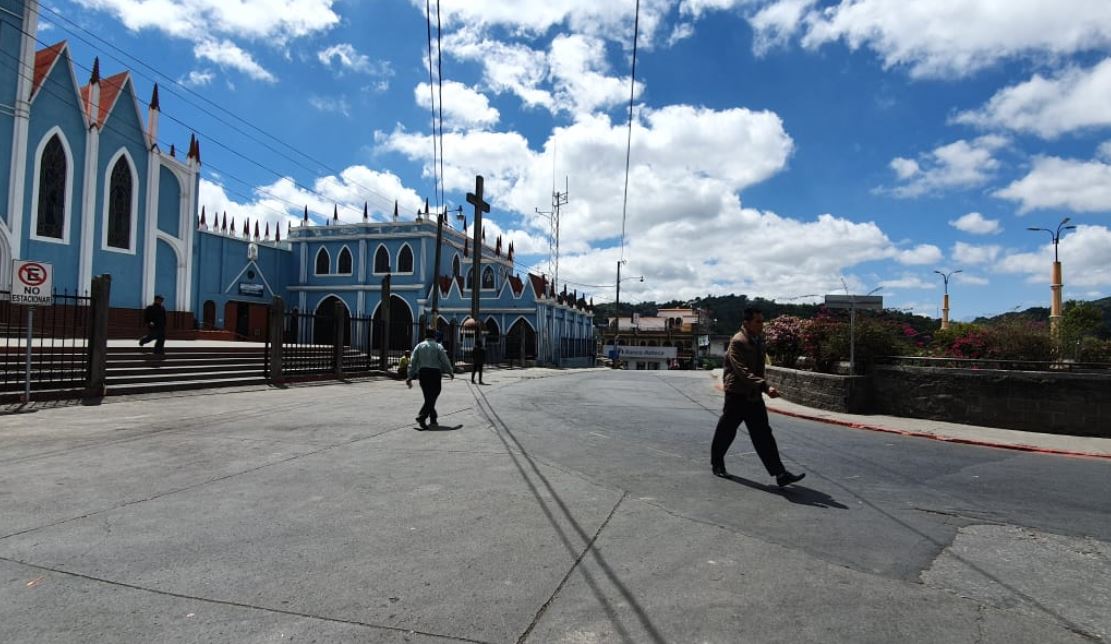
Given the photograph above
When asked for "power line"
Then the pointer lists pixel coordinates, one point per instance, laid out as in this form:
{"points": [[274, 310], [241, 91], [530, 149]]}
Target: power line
{"points": [[174, 82], [440, 82], [629, 141], [432, 105]]}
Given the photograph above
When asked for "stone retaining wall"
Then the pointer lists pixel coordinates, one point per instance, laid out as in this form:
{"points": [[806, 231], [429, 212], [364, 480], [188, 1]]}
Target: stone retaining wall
{"points": [[1077, 404]]}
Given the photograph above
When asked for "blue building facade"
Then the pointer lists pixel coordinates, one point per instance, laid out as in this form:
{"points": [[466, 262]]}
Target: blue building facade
{"points": [[316, 267], [89, 189]]}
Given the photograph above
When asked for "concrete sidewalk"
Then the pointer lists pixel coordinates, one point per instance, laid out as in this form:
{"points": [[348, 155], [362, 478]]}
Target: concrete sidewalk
{"points": [[952, 432]]}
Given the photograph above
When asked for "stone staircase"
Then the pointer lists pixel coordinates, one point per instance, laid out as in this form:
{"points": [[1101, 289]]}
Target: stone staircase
{"points": [[137, 370]]}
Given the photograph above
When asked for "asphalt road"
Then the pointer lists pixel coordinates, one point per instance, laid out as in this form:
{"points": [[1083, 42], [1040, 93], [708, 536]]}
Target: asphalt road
{"points": [[556, 506]]}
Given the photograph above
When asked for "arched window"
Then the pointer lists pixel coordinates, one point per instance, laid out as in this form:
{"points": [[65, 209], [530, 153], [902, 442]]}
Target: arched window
{"points": [[52, 190], [382, 260], [405, 260], [455, 271], [119, 205], [323, 262], [470, 277], [488, 278], [343, 267]]}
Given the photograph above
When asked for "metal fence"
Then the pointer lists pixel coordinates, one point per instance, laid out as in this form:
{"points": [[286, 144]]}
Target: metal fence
{"points": [[309, 345], [576, 347], [56, 359]]}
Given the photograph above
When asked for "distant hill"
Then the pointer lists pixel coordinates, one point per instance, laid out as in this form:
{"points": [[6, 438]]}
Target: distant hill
{"points": [[1041, 314]]}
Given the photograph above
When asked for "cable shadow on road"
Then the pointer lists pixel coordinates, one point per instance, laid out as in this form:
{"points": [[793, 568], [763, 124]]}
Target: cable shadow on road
{"points": [[798, 494], [501, 429]]}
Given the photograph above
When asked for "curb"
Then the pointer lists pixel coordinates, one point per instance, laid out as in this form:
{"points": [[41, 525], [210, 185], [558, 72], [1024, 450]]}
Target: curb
{"points": [[947, 439]]}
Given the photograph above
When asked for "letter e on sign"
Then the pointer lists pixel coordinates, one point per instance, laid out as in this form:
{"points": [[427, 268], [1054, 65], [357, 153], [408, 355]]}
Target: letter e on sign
{"points": [[32, 282]]}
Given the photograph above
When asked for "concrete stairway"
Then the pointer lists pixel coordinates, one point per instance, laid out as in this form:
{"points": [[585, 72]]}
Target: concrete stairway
{"points": [[137, 370]]}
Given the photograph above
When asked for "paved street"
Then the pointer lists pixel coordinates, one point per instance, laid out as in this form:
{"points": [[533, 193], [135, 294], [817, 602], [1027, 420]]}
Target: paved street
{"points": [[564, 506]]}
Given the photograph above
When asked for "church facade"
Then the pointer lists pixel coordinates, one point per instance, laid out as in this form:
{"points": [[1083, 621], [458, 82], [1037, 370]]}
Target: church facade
{"points": [[89, 189]]}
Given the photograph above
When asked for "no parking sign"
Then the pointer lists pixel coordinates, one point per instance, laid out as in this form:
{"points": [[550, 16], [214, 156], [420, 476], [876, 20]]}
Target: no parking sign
{"points": [[32, 282]]}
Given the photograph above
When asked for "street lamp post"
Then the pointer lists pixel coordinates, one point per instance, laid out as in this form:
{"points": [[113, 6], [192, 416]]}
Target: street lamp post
{"points": [[1056, 282], [945, 301], [852, 325]]}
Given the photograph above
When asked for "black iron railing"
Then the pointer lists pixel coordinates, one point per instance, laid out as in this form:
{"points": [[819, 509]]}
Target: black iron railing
{"points": [[59, 344], [986, 363]]}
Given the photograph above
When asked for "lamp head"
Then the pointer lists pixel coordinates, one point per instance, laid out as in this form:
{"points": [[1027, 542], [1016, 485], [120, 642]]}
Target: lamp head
{"points": [[1066, 220], [1034, 229], [957, 271]]}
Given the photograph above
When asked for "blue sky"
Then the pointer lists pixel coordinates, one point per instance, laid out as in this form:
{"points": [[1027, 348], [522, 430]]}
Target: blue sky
{"points": [[779, 146]]}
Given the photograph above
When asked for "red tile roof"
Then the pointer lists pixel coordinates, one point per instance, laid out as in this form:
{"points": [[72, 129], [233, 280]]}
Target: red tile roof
{"points": [[517, 284], [110, 89], [44, 61], [539, 285]]}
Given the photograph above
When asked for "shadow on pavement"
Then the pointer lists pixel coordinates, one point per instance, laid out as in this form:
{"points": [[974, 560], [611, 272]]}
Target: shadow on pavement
{"points": [[795, 493]]}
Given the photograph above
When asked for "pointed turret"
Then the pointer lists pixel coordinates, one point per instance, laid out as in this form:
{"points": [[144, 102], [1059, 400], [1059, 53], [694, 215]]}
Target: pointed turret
{"points": [[366, 212], [247, 228], [305, 219], [224, 227], [173, 151], [395, 210], [510, 255], [204, 224], [256, 230], [277, 233], [497, 247], [92, 105], [335, 214], [152, 119], [466, 247]]}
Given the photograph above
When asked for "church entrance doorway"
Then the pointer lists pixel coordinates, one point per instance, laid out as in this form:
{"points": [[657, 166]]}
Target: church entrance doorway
{"points": [[324, 326], [401, 325], [520, 342]]}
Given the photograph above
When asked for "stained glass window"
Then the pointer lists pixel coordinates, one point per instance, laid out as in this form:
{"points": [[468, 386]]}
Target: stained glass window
{"points": [[52, 190]]}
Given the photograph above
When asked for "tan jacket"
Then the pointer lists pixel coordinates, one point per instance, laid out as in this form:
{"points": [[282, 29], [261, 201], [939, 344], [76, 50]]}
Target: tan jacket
{"points": [[744, 367]]}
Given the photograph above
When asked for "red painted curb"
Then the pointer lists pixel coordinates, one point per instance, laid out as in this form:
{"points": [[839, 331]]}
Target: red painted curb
{"points": [[946, 439]]}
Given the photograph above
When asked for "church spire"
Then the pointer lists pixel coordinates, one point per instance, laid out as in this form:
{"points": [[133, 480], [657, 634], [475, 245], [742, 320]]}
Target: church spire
{"points": [[152, 119], [92, 107]]}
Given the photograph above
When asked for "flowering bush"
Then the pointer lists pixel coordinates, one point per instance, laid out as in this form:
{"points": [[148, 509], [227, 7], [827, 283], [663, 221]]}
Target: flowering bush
{"points": [[1014, 339], [784, 336]]}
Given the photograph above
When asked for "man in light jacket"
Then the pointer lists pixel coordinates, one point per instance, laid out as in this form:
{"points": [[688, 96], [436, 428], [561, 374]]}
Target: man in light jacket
{"points": [[429, 362], [745, 386]]}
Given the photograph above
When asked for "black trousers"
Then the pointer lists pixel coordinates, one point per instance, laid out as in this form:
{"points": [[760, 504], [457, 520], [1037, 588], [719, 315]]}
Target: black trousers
{"points": [[754, 415], [158, 336], [476, 367], [430, 382]]}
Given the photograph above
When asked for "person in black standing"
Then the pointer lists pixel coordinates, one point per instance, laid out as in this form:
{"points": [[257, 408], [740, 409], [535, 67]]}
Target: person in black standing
{"points": [[745, 386], [155, 318], [478, 359]]}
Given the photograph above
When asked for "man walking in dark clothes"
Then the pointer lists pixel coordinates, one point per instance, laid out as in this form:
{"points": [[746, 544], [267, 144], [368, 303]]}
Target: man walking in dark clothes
{"points": [[478, 358], [155, 318], [429, 361], [745, 386]]}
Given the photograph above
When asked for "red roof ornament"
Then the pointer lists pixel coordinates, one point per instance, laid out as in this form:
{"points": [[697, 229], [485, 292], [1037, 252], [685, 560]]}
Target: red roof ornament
{"points": [[173, 150], [95, 77], [154, 98], [225, 226], [335, 214], [256, 229], [278, 232], [202, 216], [366, 212], [306, 217], [395, 210], [267, 231]]}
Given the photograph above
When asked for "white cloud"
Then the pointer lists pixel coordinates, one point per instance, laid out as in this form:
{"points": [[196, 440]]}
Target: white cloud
{"points": [[572, 76], [961, 164], [977, 224], [282, 201], [344, 57], [1080, 186], [1104, 151], [227, 54], [774, 24], [921, 254], [971, 280], [463, 107], [686, 163], [337, 104], [1075, 99], [907, 282], [964, 253], [945, 38], [1083, 254], [612, 20], [681, 32], [198, 78], [695, 8], [274, 21]]}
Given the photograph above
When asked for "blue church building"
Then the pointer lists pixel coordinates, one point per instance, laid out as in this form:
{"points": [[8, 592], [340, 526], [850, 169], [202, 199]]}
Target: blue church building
{"points": [[89, 189]]}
